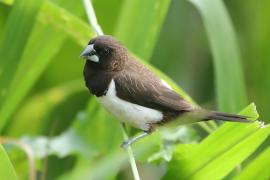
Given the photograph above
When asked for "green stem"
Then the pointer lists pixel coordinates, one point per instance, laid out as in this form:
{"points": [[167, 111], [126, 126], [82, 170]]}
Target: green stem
{"points": [[131, 155], [94, 23]]}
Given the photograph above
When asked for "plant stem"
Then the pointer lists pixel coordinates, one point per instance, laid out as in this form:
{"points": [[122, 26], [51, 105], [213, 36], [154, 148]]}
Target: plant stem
{"points": [[130, 155], [93, 22], [92, 16]]}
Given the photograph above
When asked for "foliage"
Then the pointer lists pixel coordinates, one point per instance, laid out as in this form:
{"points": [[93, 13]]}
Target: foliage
{"points": [[43, 102], [6, 168]]}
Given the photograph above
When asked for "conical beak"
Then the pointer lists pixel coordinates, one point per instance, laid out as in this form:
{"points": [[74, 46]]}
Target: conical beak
{"points": [[88, 52]]}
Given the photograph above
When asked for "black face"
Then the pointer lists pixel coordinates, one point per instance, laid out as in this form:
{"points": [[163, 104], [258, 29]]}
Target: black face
{"points": [[104, 51]]}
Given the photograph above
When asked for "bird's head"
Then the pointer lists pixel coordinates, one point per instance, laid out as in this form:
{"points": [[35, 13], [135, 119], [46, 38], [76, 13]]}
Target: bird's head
{"points": [[105, 52]]}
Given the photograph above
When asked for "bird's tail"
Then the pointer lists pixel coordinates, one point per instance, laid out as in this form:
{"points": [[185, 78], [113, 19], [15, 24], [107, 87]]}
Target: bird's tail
{"points": [[227, 117]]}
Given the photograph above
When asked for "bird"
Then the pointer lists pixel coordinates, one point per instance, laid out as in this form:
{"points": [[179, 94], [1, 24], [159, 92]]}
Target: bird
{"points": [[134, 94]]}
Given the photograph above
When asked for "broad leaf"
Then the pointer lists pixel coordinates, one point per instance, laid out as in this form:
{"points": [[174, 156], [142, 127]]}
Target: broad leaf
{"points": [[218, 154], [67, 143], [230, 89], [258, 168]]}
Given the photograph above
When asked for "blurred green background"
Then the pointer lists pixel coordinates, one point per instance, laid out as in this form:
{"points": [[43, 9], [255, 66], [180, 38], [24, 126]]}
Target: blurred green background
{"points": [[218, 52]]}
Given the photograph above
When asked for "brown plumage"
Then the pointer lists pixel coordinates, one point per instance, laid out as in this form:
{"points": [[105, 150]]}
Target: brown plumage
{"points": [[136, 84], [109, 61]]}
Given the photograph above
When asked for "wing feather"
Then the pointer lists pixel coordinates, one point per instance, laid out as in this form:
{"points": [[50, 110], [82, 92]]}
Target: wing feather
{"points": [[151, 93]]}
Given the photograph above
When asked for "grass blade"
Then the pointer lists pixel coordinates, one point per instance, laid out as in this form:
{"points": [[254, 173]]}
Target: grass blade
{"points": [[37, 56], [218, 154], [43, 103], [258, 54], [258, 168], [225, 163], [17, 31], [44, 44], [57, 17], [139, 31], [230, 88]]}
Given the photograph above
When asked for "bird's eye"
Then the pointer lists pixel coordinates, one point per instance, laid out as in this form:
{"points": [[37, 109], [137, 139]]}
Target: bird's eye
{"points": [[106, 51]]}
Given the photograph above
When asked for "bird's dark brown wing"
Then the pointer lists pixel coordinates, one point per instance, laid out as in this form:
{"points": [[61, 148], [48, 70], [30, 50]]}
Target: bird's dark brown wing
{"points": [[148, 91]]}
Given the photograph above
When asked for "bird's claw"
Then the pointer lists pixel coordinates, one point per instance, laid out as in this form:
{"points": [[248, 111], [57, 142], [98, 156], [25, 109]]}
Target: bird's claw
{"points": [[125, 144]]}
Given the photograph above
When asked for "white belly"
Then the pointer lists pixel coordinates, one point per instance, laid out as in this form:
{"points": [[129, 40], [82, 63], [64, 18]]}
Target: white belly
{"points": [[134, 114]]}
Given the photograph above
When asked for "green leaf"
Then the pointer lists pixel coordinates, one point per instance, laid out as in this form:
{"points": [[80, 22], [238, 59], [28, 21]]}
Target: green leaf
{"points": [[258, 168], [6, 169], [7, 2], [110, 163], [65, 144], [98, 128], [227, 161], [43, 104], [171, 136], [17, 31], [257, 47], [44, 44], [251, 112], [3, 18], [57, 17], [36, 57], [218, 154], [230, 89], [139, 25]]}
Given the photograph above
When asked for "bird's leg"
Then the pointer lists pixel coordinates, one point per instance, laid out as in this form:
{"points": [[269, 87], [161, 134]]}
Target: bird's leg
{"points": [[128, 142]]}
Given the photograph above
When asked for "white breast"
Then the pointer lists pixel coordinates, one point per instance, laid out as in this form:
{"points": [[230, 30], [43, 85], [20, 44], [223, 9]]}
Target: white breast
{"points": [[125, 111]]}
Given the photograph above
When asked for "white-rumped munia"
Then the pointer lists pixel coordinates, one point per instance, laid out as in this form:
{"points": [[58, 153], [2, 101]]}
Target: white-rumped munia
{"points": [[131, 92]]}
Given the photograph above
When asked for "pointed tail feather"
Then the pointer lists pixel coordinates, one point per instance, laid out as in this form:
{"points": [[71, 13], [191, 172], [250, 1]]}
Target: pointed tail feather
{"points": [[227, 117]]}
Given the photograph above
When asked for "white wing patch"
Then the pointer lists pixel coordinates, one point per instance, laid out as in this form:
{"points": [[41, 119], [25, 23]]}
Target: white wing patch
{"points": [[134, 114]]}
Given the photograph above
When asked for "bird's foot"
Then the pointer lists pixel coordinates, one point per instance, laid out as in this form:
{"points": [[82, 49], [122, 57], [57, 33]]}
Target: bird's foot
{"points": [[125, 144], [128, 142]]}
